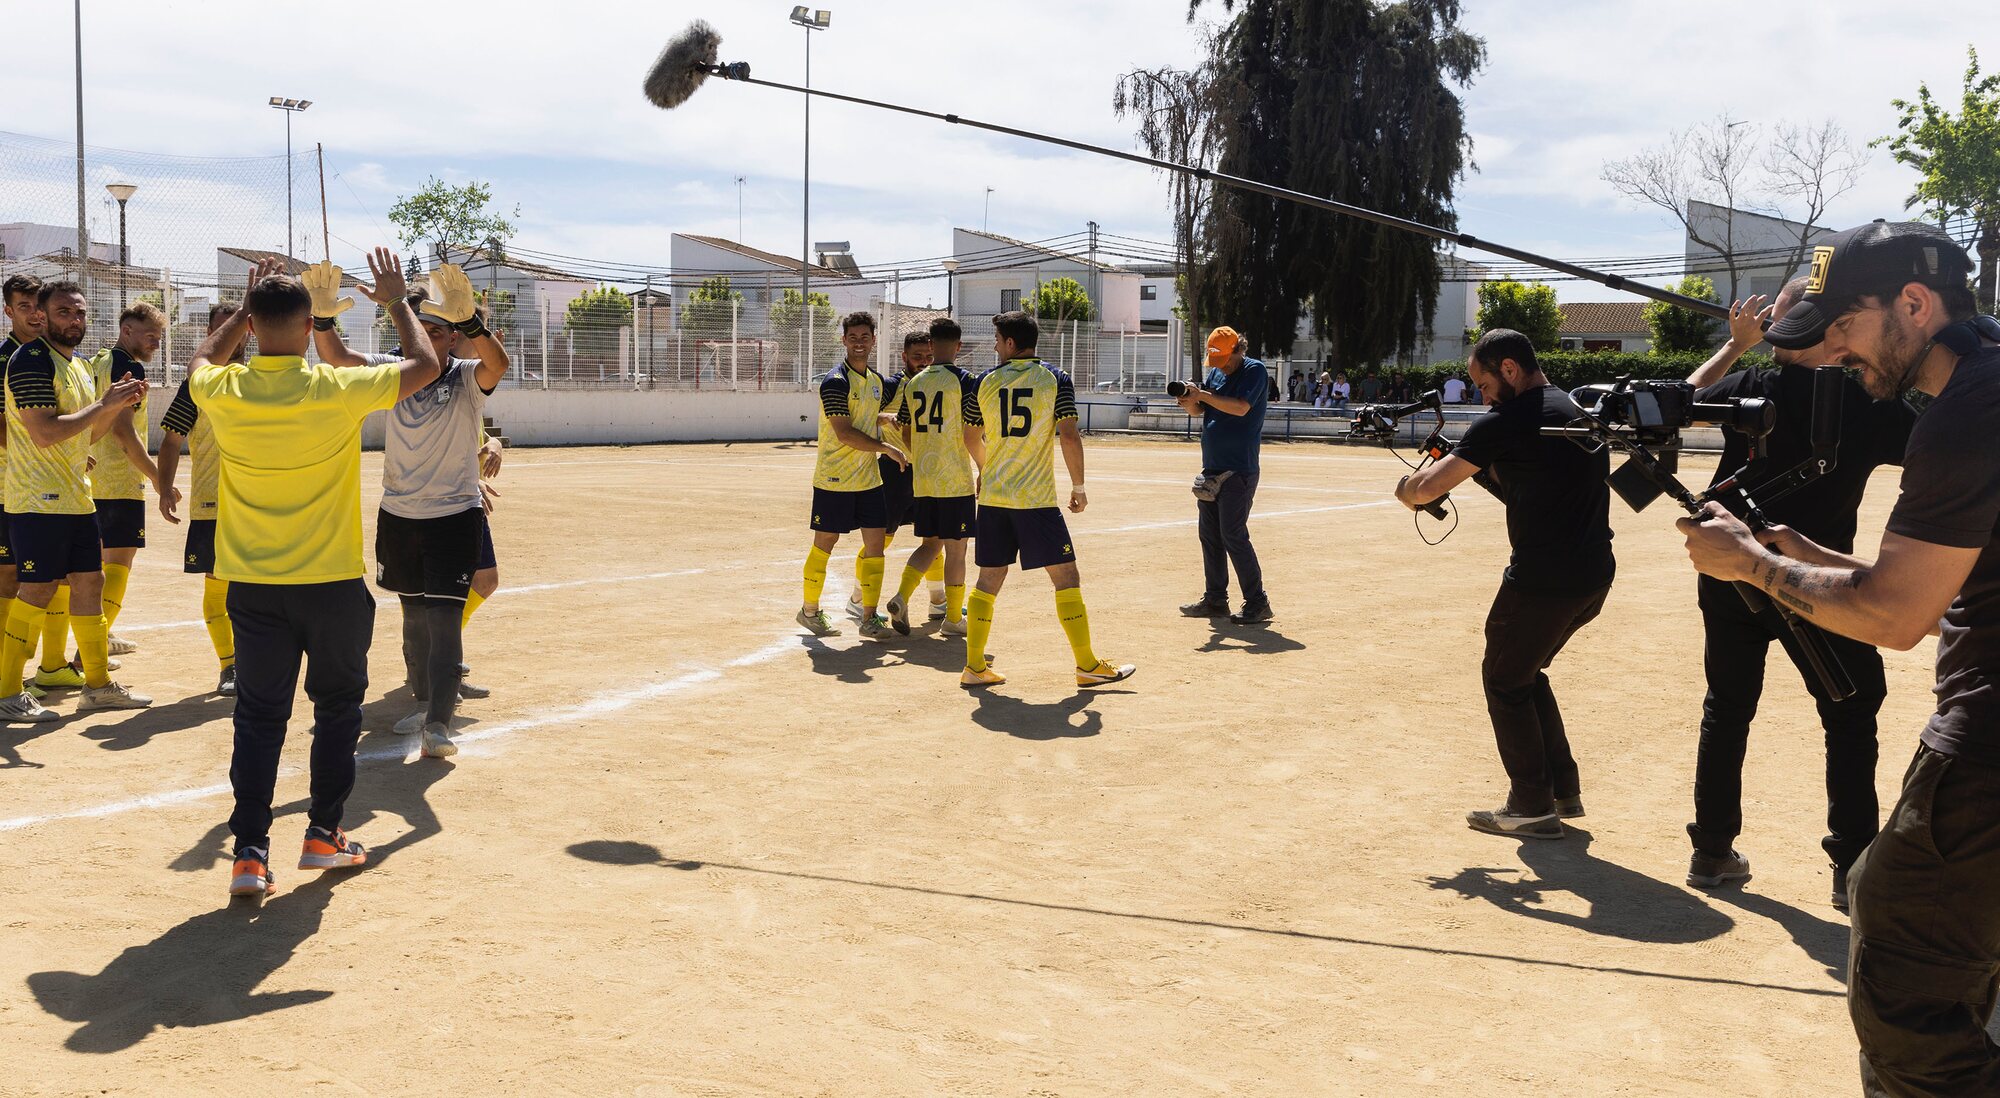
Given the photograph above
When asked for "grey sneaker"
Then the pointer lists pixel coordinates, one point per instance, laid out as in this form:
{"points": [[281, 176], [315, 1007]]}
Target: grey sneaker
{"points": [[466, 689], [1569, 808], [949, 628], [817, 623], [24, 709], [1839, 888], [226, 686], [899, 615], [122, 647], [876, 628], [437, 742], [412, 724], [110, 696], [937, 605], [855, 611], [1714, 870], [1504, 821]]}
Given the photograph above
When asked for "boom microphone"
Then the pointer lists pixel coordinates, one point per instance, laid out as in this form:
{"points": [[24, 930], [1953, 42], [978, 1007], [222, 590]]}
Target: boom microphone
{"points": [[689, 60]]}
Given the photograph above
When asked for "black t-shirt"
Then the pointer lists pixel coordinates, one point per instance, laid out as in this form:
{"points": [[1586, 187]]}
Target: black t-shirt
{"points": [[1951, 496], [1872, 433], [1558, 508]]}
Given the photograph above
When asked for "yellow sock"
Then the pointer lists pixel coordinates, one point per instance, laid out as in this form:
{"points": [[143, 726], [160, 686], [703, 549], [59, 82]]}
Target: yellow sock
{"points": [[912, 579], [815, 576], [978, 624], [954, 601], [6, 612], [472, 601], [93, 647], [1076, 623], [55, 632], [215, 615], [887, 540], [116, 578], [935, 573], [871, 580], [24, 627]]}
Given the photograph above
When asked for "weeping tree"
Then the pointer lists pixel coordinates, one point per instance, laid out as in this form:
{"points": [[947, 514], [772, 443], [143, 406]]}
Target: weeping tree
{"points": [[1175, 111], [1354, 100]]}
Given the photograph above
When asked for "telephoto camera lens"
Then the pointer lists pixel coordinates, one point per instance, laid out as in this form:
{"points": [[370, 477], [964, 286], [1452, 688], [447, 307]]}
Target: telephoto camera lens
{"points": [[1178, 389]]}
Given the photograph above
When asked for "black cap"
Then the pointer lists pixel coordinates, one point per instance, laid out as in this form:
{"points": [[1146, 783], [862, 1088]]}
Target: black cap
{"points": [[1876, 259]]}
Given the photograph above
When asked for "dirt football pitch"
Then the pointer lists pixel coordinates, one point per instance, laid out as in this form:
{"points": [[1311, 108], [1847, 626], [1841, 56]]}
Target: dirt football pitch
{"points": [[687, 851]]}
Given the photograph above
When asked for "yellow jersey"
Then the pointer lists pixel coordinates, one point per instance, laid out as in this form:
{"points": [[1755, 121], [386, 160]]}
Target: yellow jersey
{"points": [[932, 404], [205, 481], [289, 436], [856, 395], [47, 480], [113, 476], [7, 348], [1019, 404]]}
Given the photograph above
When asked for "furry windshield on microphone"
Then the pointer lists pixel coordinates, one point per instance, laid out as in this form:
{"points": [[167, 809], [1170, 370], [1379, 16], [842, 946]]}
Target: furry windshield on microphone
{"points": [[682, 66]]}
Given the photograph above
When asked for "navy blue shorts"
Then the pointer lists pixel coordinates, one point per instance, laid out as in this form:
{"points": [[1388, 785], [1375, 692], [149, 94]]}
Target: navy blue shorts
{"points": [[121, 523], [898, 496], [842, 512], [486, 557], [200, 546], [6, 542], [51, 548], [948, 517], [1038, 535]]}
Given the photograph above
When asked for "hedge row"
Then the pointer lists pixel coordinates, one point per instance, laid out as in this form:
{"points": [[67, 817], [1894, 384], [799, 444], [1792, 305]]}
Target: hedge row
{"points": [[1570, 369]]}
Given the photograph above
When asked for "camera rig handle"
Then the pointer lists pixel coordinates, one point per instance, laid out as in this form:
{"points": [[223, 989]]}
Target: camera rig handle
{"points": [[1382, 419]]}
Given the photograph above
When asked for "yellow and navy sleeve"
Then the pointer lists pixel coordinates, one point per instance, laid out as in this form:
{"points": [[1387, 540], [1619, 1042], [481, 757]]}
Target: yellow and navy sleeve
{"points": [[181, 414], [124, 365], [1065, 395], [31, 377], [968, 398], [903, 406], [833, 394]]}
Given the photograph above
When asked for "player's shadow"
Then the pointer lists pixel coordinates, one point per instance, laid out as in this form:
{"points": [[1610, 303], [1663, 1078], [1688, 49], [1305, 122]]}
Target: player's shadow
{"points": [[400, 791], [852, 664], [1621, 903], [204, 972], [139, 729], [13, 739], [1823, 940], [1039, 720], [1257, 640]]}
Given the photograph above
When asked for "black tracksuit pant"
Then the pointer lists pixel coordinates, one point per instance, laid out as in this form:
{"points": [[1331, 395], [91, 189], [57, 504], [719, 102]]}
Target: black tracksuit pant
{"points": [[1524, 631]]}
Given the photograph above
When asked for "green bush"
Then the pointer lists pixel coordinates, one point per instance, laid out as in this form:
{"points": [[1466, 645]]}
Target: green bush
{"points": [[1570, 369]]}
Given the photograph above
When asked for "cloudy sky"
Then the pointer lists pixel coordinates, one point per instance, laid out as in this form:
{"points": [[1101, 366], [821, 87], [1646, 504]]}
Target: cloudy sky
{"points": [[542, 101]]}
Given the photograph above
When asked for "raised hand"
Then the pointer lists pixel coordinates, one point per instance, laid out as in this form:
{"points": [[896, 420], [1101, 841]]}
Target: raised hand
{"points": [[451, 298], [1746, 321], [322, 281], [387, 270]]}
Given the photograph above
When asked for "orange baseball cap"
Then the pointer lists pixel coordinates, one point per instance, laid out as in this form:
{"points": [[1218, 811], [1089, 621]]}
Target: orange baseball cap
{"points": [[1222, 343]]}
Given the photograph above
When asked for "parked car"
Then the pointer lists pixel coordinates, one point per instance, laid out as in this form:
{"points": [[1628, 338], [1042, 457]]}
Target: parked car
{"points": [[1145, 383]]}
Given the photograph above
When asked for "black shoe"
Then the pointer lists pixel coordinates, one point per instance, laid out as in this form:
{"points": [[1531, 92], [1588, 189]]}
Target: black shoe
{"points": [[1839, 888], [1569, 808], [1712, 870], [1206, 608], [1254, 611]]}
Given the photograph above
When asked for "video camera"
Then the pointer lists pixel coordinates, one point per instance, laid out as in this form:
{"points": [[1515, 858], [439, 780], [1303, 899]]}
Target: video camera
{"points": [[1380, 423], [1653, 414]]}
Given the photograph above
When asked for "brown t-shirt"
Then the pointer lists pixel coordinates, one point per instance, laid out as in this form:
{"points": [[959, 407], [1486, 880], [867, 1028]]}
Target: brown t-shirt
{"points": [[1951, 496]]}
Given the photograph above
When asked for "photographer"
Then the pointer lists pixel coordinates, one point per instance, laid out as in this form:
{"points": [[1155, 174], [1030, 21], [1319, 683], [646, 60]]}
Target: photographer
{"points": [[1891, 300], [1736, 640], [1231, 403], [1559, 527]]}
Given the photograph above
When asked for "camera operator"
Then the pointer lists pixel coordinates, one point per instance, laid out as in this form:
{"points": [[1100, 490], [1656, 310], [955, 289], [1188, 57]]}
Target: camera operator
{"points": [[1559, 527], [1230, 401], [1736, 640], [1891, 300]]}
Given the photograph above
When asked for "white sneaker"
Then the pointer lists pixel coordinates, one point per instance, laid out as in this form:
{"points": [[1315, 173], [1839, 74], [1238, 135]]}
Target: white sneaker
{"points": [[110, 696], [855, 610], [938, 610], [437, 742], [412, 724], [952, 628], [122, 647], [24, 709]]}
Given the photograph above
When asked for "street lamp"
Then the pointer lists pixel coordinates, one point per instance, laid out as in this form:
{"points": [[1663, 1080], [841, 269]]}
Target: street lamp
{"points": [[290, 107], [987, 213], [123, 193], [950, 270], [811, 20]]}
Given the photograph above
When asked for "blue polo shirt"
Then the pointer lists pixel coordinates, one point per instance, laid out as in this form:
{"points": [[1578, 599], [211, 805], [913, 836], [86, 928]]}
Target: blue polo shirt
{"points": [[1231, 442]]}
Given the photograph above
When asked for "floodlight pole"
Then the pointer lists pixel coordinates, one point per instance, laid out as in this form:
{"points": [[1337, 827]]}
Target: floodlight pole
{"points": [[809, 22]]}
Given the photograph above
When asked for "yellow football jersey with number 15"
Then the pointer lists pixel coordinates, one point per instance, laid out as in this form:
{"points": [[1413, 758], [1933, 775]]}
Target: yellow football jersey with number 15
{"points": [[1020, 402]]}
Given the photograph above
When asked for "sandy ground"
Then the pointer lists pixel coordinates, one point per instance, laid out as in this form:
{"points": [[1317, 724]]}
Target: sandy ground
{"points": [[688, 852]]}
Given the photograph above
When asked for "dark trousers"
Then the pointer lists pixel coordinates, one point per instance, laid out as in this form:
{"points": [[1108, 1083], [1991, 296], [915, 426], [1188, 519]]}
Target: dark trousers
{"points": [[1225, 540], [1923, 957], [328, 625], [1524, 631], [1733, 657], [433, 651]]}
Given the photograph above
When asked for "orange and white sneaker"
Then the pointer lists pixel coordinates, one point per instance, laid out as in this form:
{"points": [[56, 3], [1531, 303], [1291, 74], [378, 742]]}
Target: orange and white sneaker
{"points": [[251, 875], [330, 850], [988, 677], [1104, 674]]}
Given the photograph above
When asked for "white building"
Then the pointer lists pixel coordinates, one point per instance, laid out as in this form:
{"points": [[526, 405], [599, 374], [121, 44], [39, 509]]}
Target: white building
{"points": [[541, 294], [1604, 326], [996, 274], [232, 272], [1159, 294], [1764, 246], [763, 277], [26, 239]]}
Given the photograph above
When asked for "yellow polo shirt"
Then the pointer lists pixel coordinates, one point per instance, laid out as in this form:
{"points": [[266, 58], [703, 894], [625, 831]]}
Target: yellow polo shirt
{"points": [[289, 439]]}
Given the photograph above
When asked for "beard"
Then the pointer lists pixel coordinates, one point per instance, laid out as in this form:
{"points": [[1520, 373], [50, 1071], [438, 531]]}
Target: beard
{"points": [[1887, 368], [68, 337]]}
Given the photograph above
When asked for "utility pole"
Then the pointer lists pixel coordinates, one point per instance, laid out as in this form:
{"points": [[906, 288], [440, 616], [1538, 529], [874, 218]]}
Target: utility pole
{"points": [[82, 224]]}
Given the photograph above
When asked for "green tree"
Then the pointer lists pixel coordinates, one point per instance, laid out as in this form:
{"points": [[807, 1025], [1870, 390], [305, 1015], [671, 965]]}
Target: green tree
{"points": [[786, 313], [1061, 300], [605, 309], [710, 306], [440, 214], [1353, 100], [499, 309], [1959, 158], [1677, 330], [1527, 307]]}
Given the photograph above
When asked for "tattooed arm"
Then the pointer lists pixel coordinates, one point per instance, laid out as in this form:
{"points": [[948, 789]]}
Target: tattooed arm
{"points": [[1894, 601]]}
